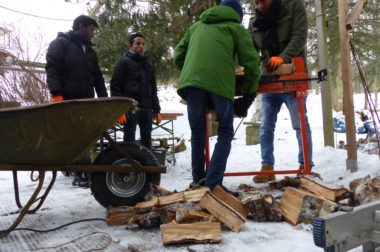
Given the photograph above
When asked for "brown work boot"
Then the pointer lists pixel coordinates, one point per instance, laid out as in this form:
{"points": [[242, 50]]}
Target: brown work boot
{"points": [[302, 167], [313, 174], [264, 178]]}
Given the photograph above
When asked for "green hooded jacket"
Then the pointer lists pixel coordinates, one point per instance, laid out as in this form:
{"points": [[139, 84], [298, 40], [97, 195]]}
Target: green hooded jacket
{"points": [[292, 26], [206, 54]]}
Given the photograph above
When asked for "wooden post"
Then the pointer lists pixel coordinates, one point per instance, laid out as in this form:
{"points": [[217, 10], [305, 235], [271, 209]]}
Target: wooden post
{"points": [[354, 15], [328, 129], [348, 104]]}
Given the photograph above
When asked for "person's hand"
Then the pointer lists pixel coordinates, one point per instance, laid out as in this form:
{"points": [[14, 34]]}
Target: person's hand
{"points": [[239, 108], [274, 63], [242, 104], [57, 98], [122, 119], [158, 118]]}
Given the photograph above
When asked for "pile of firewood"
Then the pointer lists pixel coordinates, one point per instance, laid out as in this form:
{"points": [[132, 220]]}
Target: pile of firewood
{"points": [[190, 216], [197, 215]]}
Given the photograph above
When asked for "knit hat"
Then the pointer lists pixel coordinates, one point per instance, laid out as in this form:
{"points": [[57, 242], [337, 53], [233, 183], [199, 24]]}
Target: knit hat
{"points": [[234, 4]]}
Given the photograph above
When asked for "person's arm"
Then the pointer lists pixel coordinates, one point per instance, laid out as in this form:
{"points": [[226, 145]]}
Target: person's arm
{"points": [[118, 78], [100, 87], [298, 34], [155, 101], [181, 50], [249, 59], [250, 31], [55, 60]]}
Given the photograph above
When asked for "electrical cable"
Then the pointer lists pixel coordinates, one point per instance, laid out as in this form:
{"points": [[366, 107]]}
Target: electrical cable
{"points": [[238, 126], [55, 248], [52, 229], [23, 13], [371, 103]]}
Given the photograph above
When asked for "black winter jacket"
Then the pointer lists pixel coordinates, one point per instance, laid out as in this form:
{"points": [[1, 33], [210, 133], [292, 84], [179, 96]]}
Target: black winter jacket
{"points": [[134, 77], [71, 72]]}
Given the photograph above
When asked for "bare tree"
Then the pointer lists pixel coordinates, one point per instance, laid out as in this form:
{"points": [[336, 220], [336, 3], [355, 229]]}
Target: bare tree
{"points": [[23, 80]]}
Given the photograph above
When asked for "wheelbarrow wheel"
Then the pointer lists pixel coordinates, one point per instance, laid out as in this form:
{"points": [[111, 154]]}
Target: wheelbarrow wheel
{"points": [[123, 189]]}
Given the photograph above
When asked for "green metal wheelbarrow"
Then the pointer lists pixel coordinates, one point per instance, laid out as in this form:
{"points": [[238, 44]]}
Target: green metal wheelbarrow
{"points": [[54, 136]]}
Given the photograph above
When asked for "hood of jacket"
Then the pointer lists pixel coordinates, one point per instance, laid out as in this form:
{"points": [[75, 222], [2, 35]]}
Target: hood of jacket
{"points": [[76, 38], [218, 14]]}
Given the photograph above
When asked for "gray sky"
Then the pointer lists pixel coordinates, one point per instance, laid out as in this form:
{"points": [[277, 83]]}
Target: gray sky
{"points": [[48, 27]]}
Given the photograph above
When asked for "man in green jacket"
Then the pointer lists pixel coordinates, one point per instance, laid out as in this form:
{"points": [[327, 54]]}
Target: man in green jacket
{"points": [[206, 57], [279, 31]]}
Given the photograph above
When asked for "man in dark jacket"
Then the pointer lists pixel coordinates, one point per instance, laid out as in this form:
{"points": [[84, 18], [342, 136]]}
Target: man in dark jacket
{"points": [[279, 31], [134, 77], [72, 69], [72, 65]]}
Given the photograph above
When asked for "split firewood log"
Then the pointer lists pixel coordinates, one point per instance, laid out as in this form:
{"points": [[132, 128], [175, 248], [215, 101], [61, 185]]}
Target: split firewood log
{"points": [[189, 215], [199, 232], [168, 213], [299, 205], [230, 200], [120, 215], [222, 211], [172, 198], [324, 190], [146, 206], [196, 194]]}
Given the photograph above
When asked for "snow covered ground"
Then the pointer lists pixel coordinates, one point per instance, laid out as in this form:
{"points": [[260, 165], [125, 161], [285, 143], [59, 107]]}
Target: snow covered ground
{"points": [[66, 203]]}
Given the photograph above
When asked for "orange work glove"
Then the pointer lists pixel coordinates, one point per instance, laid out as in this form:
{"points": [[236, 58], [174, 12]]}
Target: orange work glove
{"points": [[274, 63], [158, 118], [122, 119], [57, 98]]}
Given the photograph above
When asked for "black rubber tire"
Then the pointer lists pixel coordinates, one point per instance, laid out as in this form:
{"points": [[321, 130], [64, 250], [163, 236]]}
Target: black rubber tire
{"points": [[117, 189]]}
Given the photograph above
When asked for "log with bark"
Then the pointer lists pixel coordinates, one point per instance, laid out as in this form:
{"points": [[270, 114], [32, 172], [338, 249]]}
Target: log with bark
{"points": [[157, 190], [248, 188], [287, 181], [365, 190], [261, 208], [129, 216], [148, 220]]}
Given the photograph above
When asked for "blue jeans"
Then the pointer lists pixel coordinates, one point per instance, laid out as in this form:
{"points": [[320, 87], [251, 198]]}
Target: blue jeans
{"points": [[143, 118], [270, 106], [198, 100]]}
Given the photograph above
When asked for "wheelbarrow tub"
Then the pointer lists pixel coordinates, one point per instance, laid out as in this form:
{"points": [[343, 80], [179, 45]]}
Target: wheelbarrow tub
{"points": [[57, 133]]}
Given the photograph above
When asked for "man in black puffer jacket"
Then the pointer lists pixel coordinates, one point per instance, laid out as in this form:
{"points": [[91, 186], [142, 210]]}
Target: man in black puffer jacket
{"points": [[134, 77], [72, 65], [73, 72]]}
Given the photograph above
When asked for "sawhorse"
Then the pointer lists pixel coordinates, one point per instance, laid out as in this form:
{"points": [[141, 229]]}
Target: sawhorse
{"points": [[168, 120]]}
